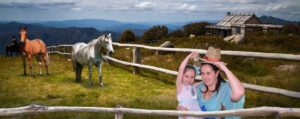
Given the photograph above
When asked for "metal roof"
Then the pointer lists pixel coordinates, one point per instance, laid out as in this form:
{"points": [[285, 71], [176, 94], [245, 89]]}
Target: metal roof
{"points": [[237, 19]]}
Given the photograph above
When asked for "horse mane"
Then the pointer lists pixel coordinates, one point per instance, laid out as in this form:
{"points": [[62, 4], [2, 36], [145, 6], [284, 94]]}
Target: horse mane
{"points": [[94, 41]]}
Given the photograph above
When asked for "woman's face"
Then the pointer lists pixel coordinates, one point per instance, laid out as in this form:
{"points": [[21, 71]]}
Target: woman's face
{"points": [[189, 76], [208, 75]]}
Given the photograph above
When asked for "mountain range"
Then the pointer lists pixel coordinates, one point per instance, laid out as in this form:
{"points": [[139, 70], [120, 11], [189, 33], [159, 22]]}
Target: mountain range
{"points": [[111, 25], [273, 20], [72, 31]]}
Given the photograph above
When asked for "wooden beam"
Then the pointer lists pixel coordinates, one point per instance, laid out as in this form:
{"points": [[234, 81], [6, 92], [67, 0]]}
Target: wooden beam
{"points": [[247, 86], [250, 112], [223, 52]]}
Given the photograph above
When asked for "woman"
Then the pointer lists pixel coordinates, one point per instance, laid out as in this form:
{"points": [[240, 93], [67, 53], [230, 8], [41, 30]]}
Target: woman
{"points": [[214, 93]]}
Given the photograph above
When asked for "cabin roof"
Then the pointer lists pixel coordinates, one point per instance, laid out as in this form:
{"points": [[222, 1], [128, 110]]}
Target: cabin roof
{"points": [[235, 19]]}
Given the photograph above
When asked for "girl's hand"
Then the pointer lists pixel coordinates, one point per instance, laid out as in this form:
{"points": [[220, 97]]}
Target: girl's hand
{"points": [[194, 54]]}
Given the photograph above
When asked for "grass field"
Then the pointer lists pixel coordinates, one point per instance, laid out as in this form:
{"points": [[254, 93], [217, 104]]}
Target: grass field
{"points": [[148, 90], [120, 88]]}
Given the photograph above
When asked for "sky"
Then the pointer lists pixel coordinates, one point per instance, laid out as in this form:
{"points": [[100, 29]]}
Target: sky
{"points": [[143, 10]]}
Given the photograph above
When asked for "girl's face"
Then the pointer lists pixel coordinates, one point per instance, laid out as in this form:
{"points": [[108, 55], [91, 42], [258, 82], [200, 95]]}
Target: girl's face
{"points": [[208, 75], [189, 76]]}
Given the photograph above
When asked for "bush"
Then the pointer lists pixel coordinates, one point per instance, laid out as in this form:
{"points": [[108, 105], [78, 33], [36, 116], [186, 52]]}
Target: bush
{"points": [[155, 33], [127, 36], [195, 28]]}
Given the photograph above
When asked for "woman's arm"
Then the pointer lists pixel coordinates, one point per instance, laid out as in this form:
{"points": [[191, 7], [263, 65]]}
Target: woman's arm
{"points": [[237, 89], [181, 71]]}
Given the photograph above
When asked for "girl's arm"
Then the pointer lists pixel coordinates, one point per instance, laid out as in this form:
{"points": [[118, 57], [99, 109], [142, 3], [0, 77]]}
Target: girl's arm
{"points": [[181, 70], [237, 89]]}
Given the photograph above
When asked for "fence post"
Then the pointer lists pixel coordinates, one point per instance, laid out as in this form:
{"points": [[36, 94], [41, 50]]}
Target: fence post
{"points": [[136, 59], [119, 114], [65, 51]]}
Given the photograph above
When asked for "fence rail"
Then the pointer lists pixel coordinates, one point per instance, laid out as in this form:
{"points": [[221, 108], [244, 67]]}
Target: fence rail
{"points": [[273, 90], [223, 52], [119, 111]]}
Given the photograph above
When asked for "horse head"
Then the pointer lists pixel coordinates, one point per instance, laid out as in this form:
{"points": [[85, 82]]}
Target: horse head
{"points": [[23, 34], [107, 43]]}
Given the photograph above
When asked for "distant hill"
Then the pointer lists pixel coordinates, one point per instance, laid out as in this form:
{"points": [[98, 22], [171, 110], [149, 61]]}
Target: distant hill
{"points": [[274, 20], [96, 23], [99, 24], [50, 35], [111, 25]]}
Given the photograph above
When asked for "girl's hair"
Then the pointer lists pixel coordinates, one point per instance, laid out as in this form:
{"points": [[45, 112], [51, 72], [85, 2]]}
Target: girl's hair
{"points": [[188, 67], [219, 78]]}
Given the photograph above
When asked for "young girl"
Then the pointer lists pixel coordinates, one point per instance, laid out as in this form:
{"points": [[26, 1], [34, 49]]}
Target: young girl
{"points": [[186, 93]]}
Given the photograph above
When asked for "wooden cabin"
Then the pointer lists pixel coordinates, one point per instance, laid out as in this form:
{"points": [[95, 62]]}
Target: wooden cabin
{"points": [[241, 24]]}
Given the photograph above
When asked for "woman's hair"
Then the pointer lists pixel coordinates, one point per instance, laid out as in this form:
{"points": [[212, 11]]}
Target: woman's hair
{"points": [[219, 78], [189, 67]]}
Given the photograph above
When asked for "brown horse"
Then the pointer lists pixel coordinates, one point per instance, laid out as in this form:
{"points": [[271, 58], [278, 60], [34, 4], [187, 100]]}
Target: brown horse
{"points": [[13, 46], [33, 48]]}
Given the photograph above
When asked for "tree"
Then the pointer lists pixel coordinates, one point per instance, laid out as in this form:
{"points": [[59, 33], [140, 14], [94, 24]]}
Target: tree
{"points": [[195, 28], [127, 36], [292, 28], [176, 34], [155, 33]]}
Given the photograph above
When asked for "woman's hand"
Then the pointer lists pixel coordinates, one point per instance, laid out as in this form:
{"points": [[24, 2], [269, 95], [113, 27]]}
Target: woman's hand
{"points": [[220, 65], [237, 89]]}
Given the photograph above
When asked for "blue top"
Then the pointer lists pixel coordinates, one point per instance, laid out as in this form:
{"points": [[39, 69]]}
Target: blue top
{"points": [[219, 99]]}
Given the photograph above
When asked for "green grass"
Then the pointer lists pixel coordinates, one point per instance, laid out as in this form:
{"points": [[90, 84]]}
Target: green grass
{"points": [[249, 70], [148, 90], [121, 87]]}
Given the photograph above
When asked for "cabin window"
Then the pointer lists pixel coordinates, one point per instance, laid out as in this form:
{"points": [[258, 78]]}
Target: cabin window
{"points": [[238, 30]]}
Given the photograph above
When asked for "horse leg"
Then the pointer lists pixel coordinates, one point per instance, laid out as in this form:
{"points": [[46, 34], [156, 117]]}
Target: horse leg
{"points": [[46, 61], [40, 68], [100, 73], [30, 64], [39, 60], [78, 70], [24, 64], [90, 74]]}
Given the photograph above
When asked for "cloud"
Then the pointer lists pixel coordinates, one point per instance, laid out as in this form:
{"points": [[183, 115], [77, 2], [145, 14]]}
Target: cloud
{"points": [[187, 7], [38, 4], [145, 5], [76, 9], [286, 8]]}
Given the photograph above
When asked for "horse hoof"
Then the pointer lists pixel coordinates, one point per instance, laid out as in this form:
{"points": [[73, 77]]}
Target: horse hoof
{"points": [[101, 85]]}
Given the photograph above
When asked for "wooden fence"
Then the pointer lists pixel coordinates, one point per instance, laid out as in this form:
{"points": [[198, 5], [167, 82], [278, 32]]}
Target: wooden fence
{"points": [[120, 111], [65, 50]]}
